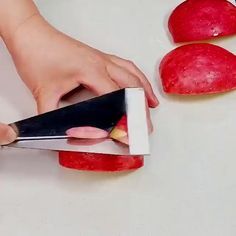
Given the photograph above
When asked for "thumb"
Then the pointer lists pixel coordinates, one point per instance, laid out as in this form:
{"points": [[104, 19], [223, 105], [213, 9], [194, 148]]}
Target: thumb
{"points": [[7, 134]]}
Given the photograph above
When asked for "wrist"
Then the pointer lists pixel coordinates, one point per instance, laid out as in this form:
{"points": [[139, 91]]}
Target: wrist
{"points": [[13, 14], [27, 35]]}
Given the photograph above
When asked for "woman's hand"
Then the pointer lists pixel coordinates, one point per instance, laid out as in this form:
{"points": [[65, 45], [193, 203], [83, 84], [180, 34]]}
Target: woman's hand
{"points": [[52, 64], [7, 134]]}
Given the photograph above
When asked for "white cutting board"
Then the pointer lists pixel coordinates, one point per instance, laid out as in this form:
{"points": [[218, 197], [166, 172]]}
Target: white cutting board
{"points": [[188, 185]]}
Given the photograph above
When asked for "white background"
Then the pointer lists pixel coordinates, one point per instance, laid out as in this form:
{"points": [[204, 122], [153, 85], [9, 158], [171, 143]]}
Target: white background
{"points": [[188, 185]]}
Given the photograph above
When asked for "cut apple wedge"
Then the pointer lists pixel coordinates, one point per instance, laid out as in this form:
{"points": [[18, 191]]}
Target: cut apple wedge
{"points": [[195, 20], [99, 162], [104, 162], [197, 69]]}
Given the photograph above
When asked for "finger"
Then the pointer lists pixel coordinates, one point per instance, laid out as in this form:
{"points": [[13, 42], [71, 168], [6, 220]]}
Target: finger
{"points": [[7, 134], [48, 99], [87, 133], [101, 84], [149, 121], [46, 104], [123, 77], [132, 68]]}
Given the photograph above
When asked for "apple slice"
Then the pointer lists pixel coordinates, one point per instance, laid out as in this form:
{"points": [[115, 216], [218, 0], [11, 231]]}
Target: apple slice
{"points": [[195, 20], [104, 162], [120, 132], [99, 162], [196, 69]]}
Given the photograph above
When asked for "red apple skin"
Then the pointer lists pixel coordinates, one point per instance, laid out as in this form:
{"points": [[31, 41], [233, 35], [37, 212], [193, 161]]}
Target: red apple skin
{"points": [[197, 69], [100, 162], [195, 20]]}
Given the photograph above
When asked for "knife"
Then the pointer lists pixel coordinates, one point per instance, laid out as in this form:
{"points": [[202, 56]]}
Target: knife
{"points": [[48, 131]]}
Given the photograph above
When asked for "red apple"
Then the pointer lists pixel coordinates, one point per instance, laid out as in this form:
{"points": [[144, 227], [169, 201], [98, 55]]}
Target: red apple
{"points": [[104, 162], [195, 20], [99, 162], [198, 69]]}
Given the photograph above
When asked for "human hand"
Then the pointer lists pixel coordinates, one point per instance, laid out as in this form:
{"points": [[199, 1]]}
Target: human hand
{"points": [[52, 64], [7, 134]]}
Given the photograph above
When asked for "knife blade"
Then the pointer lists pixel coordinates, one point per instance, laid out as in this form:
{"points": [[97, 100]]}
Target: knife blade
{"points": [[48, 131]]}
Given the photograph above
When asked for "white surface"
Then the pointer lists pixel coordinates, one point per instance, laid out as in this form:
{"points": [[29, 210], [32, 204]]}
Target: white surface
{"points": [[188, 185]]}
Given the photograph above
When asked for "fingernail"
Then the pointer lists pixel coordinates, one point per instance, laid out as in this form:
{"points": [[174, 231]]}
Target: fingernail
{"points": [[153, 102]]}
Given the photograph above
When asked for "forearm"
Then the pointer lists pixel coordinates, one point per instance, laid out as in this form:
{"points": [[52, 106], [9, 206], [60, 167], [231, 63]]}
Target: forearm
{"points": [[13, 13]]}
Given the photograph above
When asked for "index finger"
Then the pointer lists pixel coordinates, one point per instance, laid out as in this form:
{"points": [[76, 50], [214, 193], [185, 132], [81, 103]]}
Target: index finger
{"points": [[132, 68]]}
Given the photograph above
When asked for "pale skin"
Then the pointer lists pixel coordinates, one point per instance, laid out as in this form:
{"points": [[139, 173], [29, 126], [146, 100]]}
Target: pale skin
{"points": [[51, 64]]}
